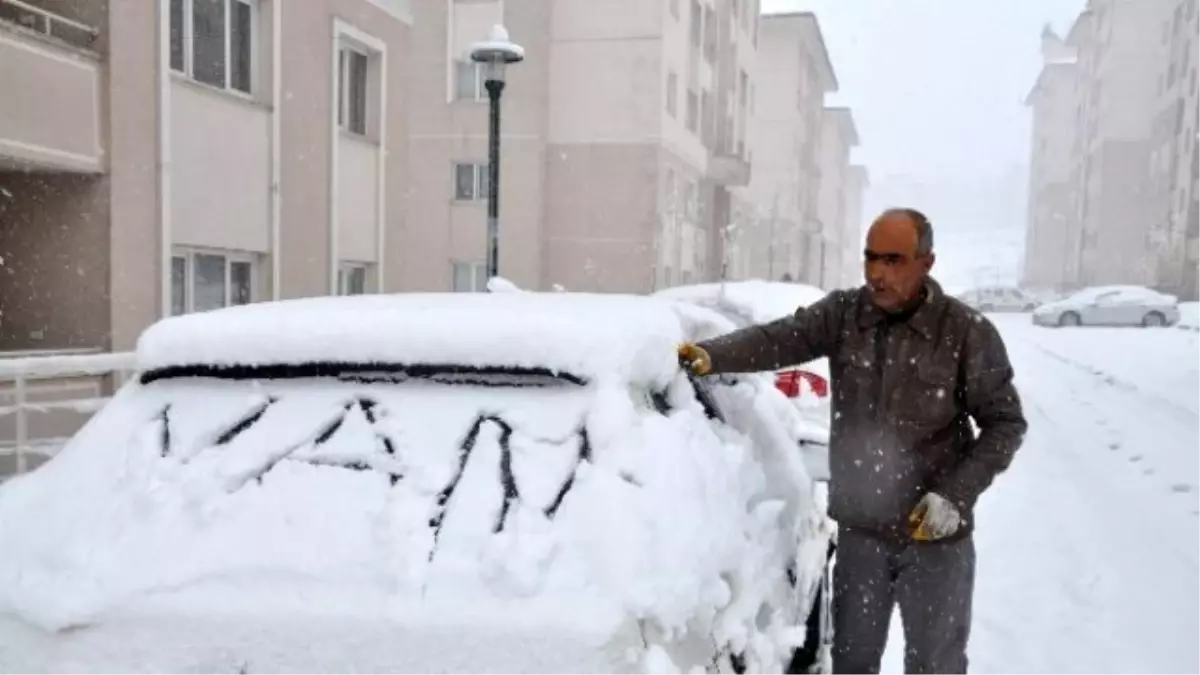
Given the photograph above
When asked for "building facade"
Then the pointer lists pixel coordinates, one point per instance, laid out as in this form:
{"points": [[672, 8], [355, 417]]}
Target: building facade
{"points": [[623, 141], [795, 74], [183, 155], [172, 156], [826, 246], [1119, 62], [858, 181], [1175, 157], [1052, 100]]}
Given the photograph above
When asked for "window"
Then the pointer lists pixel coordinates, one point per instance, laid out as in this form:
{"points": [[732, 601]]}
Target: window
{"points": [[352, 90], [697, 28], [468, 81], [672, 94], [710, 36], [693, 112], [179, 296], [201, 281], [675, 9], [470, 277], [212, 41], [352, 279], [470, 181]]}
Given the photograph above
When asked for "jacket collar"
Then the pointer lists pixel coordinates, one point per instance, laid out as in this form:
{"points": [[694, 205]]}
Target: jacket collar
{"points": [[922, 321]]}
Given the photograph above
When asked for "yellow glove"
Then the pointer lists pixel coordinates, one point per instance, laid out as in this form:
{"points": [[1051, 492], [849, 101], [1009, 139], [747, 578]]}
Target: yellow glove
{"points": [[695, 358]]}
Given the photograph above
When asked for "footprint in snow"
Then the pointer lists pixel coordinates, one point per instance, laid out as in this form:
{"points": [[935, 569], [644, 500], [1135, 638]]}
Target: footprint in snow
{"points": [[1135, 459], [1181, 488], [1148, 471], [1115, 445]]}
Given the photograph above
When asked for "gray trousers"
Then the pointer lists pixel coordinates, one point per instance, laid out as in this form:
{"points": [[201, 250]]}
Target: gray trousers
{"points": [[932, 582]]}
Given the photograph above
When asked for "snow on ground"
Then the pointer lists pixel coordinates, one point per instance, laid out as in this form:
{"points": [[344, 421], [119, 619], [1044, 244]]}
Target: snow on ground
{"points": [[1088, 546], [1189, 315]]}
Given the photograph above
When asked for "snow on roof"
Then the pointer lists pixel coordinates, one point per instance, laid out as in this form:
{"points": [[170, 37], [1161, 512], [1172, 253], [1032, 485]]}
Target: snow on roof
{"points": [[589, 336], [753, 301], [1135, 291]]}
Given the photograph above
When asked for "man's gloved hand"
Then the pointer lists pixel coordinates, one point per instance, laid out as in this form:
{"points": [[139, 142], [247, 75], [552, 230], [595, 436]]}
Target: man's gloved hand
{"points": [[695, 358], [934, 518]]}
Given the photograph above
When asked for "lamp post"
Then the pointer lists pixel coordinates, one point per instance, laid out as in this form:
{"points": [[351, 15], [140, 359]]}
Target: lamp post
{"points": [[495, 53]]}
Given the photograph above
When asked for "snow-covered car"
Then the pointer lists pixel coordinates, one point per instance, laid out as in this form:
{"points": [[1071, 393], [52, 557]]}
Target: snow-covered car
{"points": [[510, 482], [746, 303], [999, 299], [1111, 306]]}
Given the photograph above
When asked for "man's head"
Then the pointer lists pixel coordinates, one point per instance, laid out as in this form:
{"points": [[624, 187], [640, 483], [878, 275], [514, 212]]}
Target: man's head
{"points": [[898, 257]]}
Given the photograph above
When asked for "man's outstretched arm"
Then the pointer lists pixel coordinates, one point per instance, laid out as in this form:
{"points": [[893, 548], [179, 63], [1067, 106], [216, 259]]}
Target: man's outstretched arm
{"points": [[811, 333]]}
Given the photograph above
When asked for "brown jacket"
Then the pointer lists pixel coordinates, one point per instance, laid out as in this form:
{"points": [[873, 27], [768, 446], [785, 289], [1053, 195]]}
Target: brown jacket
{"points": [[904, 395]]}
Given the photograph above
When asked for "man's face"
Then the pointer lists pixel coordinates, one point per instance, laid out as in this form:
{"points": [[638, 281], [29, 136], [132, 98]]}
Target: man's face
{"points": [[894, 272]]}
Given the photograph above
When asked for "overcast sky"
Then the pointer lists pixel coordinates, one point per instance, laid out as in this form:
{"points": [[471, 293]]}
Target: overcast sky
{"points": [[936, 86]]}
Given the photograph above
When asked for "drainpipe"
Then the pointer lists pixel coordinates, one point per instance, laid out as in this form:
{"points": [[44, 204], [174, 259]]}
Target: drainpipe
{"points": [[163, 121], [276, 112]]}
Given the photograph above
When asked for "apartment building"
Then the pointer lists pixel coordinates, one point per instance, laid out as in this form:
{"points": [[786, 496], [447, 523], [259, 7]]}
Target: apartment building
{"points": [[826, 245], [624, 149], [1050, 261], [1120, 53], [168, 156], [1175, 157], [794, 75]]}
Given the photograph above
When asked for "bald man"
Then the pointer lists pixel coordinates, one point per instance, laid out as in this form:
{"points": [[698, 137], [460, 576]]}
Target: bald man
{"points": [[911, 369]]}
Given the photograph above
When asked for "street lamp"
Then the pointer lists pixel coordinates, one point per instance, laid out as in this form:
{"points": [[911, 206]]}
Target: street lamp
{"points": [[496, 53]]}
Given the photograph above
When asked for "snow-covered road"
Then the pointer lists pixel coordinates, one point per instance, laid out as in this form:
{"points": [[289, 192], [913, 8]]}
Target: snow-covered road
{"points": [[1088, 546]]}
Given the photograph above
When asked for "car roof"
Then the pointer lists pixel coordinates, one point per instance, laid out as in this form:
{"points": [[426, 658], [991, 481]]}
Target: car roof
{"points": [[590, 336], [1137, 290]]}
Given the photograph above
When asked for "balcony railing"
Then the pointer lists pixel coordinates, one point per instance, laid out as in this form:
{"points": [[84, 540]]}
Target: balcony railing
{"points": [[48, 23], [18, 371]]}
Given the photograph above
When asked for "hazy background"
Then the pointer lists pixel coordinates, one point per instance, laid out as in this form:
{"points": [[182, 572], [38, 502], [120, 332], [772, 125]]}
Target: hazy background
{"points": [[937, 88]]}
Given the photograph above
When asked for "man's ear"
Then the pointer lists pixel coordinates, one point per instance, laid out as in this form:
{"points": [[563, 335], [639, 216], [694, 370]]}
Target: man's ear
{"points": [[928, 261]]}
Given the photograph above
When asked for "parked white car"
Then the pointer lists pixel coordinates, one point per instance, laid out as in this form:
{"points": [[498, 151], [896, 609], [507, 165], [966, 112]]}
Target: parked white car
{"points": [[510, 482], [999, 299], [1111, 306], [746, 303]]}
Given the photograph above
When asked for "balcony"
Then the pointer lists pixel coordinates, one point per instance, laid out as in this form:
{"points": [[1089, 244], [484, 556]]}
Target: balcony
{"points": [[728, 169], [53, 121]]}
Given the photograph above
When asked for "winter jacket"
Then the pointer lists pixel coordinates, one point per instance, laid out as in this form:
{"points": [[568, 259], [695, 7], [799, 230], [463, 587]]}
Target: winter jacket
{"points": [[904, 394]]}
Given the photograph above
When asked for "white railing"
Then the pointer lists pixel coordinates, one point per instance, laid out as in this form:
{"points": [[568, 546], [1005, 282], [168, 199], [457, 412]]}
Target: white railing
{"points": [[29, 15], [19, 369]]}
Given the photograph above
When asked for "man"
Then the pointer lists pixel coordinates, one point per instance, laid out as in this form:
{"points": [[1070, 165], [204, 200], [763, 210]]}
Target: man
{"points": [[911, 368]]}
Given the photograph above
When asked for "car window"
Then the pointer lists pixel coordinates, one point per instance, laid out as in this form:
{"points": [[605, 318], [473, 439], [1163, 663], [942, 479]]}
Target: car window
{"points": [[372, 431]]}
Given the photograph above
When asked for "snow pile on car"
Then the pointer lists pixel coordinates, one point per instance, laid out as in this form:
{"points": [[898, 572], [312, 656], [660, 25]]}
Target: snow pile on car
{"points": [[566, 509], [753, 301], [587, 335]]}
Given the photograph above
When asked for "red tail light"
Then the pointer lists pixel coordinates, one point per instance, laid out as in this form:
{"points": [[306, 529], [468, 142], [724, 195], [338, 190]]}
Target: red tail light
{"points": [[788, 382]]}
